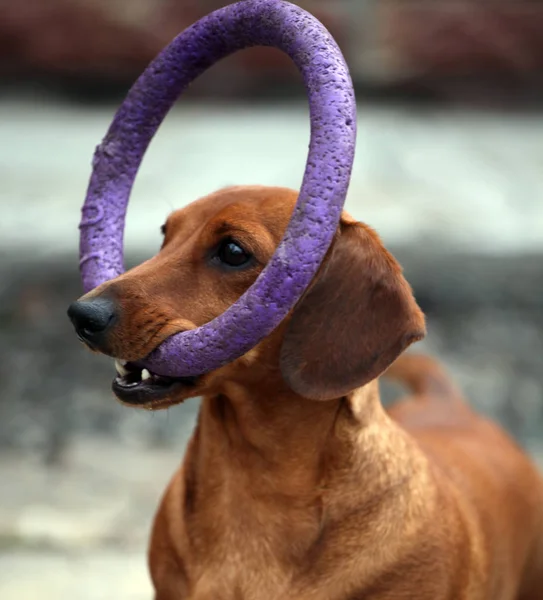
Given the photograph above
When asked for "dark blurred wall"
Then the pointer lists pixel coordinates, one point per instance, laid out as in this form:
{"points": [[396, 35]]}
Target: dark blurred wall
{"points": [[388, 43]]}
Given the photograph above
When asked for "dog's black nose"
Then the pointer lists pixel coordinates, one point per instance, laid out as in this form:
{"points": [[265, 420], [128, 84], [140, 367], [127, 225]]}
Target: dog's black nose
{"points": [[92, 318]]}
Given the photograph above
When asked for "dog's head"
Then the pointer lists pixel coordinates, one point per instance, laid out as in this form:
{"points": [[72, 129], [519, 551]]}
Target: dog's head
{"points": [[357, 316]]}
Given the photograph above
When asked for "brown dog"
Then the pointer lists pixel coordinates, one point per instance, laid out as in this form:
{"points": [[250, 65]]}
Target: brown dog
{"points": [[297, 484]]}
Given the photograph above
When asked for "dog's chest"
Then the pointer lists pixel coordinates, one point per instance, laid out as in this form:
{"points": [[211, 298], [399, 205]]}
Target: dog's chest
{"points": [[251, 560], [233, 580]]}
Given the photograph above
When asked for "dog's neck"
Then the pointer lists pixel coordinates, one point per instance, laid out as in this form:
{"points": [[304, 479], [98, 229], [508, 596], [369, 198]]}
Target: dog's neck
{"points": [[284, 460], [276, 442], [297, 472]]}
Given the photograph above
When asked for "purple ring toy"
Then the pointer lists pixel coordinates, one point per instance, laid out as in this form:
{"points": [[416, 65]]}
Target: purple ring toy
{"points": [[316, 214]]}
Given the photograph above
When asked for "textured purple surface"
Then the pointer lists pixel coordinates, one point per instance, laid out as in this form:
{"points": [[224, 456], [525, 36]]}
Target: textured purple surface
{"points": [[322, 195]]}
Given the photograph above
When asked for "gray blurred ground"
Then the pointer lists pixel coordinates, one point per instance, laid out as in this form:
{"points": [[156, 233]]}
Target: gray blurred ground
{"points": [[457, 196]]}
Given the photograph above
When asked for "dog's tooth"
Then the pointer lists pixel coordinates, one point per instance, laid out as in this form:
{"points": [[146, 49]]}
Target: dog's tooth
{"points": [[119, 367], [122, 361], [145, 375]]}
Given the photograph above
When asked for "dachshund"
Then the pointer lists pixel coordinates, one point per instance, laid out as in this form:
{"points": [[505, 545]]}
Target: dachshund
{"points": [[297, 484]]}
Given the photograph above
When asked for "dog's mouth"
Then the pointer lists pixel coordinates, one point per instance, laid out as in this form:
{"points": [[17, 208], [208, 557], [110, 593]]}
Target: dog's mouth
{"points": [[138, 386]]}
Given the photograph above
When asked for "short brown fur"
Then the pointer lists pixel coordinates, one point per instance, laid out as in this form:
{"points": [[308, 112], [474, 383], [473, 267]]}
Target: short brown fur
{"points": [[297, 484]]}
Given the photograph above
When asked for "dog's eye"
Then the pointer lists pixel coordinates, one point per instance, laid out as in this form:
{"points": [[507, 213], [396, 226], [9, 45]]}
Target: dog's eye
{"points": [[232, 254]]}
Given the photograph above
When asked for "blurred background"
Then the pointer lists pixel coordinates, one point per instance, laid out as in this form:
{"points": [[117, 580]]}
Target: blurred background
{"points": [[449, 170]]}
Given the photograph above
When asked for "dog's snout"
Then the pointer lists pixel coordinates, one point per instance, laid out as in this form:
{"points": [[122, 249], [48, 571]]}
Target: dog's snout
{"points": [[92, 318]]}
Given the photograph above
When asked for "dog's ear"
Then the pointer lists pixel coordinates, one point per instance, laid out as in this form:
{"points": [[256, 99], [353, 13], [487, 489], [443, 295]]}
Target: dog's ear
{"points": [[353, 322]]}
